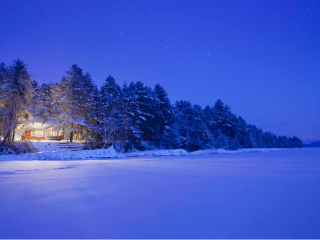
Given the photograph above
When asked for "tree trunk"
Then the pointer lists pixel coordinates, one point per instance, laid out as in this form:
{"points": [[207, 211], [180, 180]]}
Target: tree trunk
{"points": [[13, 134], [105, 139], [5, 139], [71, 136]]}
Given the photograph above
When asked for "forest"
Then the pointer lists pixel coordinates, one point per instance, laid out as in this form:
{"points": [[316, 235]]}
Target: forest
{"points": [[135, 115]]}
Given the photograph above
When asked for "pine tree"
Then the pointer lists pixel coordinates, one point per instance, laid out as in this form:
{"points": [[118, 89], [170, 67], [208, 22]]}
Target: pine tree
{"points": [[202, 135], [96, 128], [110, 99], [224, 119], [3, 76], [142, 117], [283, 142], [189, 127], [44, 101], [269, 140], [221, 141], [209, 119], [295, 142], [140, 114], [242, 133], [163, 114], [234, 144], [75, 93], [16, 96], [255, 135]]}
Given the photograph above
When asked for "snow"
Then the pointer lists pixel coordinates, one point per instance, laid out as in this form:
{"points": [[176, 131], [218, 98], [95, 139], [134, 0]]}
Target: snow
{"points": [[223, 151], [46, 146], [64, 155], [158, 153], [262, 195], [51, 151], [53, 146]]}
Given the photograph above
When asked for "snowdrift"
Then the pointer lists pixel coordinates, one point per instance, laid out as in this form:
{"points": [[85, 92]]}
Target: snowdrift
{"points": [[64, 155], [111, 153], [222, 151], [158, 153]]}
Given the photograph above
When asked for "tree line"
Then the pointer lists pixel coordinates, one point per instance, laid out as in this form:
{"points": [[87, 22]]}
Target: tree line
{"points": [[135, 115]]}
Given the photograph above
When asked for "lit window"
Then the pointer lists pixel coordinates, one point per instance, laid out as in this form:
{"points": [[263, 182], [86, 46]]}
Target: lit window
{"points": [[39, 133], [20, 127], [37, 124]]}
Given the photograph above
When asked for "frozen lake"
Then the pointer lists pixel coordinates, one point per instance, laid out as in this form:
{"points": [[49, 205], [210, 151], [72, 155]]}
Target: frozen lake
{"points": [[246, 195]]}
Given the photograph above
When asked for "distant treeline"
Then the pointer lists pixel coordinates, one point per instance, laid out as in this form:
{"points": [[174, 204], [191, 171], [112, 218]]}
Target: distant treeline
{"points": [[136, 115], [312, 145]]}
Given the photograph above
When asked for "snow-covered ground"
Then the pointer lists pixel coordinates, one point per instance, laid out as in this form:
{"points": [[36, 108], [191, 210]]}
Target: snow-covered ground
{"points": [[248, 195], [111, 153], [156, 153], [63, 155]]}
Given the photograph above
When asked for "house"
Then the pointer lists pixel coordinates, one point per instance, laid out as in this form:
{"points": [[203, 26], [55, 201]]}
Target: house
{"points": [[40, 129]]}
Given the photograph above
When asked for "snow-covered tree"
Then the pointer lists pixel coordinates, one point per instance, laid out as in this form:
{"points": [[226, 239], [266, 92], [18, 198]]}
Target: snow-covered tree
{"points": [[270, 140], [242, 133], [140, 116], [110, 109], [16, 94], [224, 119], [163, 114], [75, 94]]}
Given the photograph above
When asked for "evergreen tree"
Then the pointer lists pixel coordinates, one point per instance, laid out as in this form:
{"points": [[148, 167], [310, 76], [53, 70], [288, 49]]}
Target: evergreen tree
{"points": [[256, 135], [110, 100], [75, 92], [163, 114], [96, 127], [3, 76], [202, 135], [140, 116], [295, 142], [283, 142], [242, 133], [234, 144], [269, 140], [209, 119], [189, 127], [224, 119], [16, 96], [221, 141], [45, 101]]}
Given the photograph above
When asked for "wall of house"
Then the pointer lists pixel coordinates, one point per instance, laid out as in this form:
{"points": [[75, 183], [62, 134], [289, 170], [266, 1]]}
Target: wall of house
{"points": [[27, 135]]}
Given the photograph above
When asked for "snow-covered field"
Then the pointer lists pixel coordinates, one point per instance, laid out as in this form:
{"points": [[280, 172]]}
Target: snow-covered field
{"points": [[246, 195]]}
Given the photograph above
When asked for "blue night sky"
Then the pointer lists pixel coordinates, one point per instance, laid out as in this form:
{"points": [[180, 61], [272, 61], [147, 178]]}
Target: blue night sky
{"points": [[260, 57]]}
